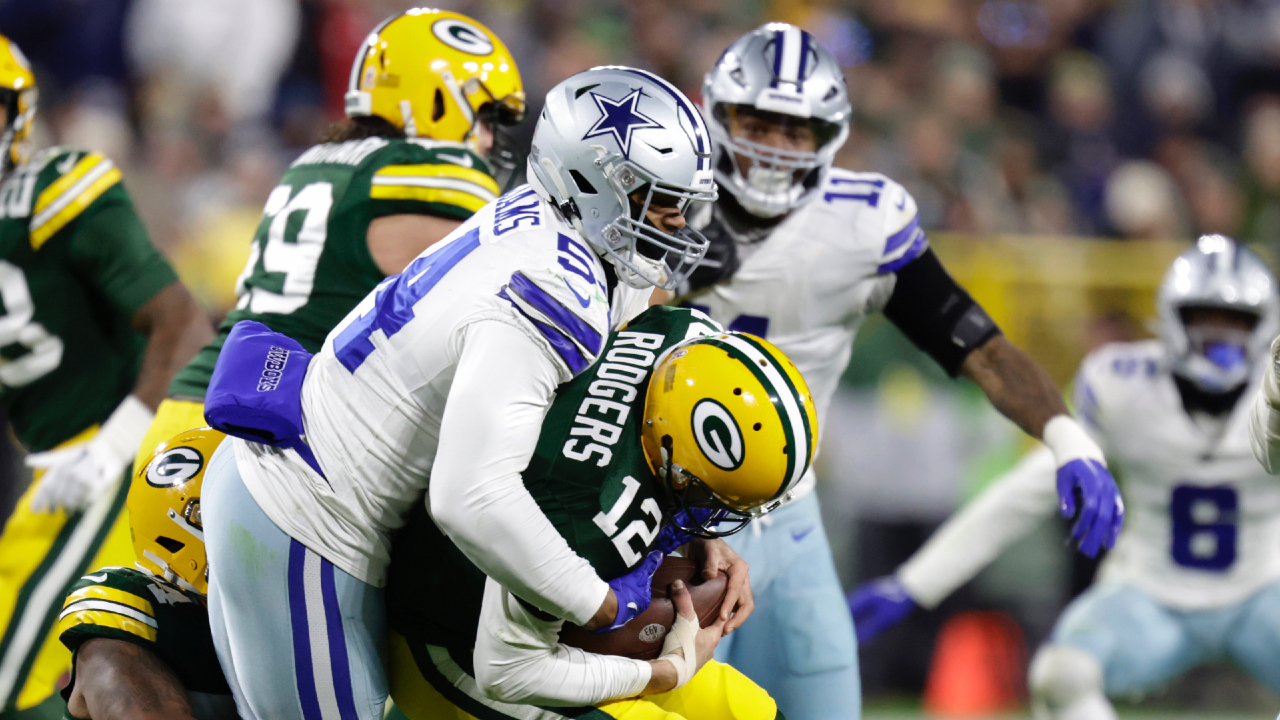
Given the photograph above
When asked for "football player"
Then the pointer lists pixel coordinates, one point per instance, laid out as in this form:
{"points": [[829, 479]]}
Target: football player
{"points": [[437, 382], [430, 92], [139, 636], [1195, 575], [95, 325], [801, 253], [677, 421]]}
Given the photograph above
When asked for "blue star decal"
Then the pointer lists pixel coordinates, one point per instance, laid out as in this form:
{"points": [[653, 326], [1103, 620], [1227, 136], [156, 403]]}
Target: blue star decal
{"points": [[619, 118]]}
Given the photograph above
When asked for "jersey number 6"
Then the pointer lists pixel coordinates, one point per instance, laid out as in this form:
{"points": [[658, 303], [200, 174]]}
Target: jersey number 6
{"points": [[1204, 526]]}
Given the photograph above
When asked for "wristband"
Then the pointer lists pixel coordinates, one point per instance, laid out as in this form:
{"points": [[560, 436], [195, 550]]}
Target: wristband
{"points": [[122, 433], [683, 636], [1068, 441]]}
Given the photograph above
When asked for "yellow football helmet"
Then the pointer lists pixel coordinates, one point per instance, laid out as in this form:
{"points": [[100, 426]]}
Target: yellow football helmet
{"points": [[730, 425], [435, 74], [164, 509], [18, 94]]}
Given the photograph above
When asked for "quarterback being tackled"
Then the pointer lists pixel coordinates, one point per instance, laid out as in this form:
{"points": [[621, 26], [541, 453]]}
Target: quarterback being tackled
{"points": [[679, 432]]}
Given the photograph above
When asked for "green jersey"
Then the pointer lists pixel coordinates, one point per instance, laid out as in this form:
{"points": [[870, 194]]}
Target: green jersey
{"points": [[589, 476], [309, 263], [75, 266], [133, 606]]}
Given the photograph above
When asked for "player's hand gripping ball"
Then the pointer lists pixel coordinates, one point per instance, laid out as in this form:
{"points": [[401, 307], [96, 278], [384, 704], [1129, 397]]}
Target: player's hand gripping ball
{"points": [[641, 638]]}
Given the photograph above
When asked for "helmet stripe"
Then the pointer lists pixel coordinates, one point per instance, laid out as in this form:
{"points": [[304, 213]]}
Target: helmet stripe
{"points": [[804, 54], [790, 52], [783, 396], [695, 119], [353, 83], [792, 390]]}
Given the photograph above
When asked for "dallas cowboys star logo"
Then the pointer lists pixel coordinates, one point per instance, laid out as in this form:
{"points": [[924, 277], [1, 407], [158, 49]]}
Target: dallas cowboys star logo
{"points": [[619, 119]]}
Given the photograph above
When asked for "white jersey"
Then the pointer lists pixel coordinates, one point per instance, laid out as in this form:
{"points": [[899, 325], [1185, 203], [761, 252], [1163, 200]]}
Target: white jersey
{"points": [[375, 394], [1202, 517], [808, 287]]}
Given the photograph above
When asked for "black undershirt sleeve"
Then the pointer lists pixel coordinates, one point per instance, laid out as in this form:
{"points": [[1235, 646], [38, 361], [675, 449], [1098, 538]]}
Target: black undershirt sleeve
{"points": [[937, 314]]}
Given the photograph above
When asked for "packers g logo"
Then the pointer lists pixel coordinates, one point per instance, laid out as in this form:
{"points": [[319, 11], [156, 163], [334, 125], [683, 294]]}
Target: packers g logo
{"points": [[174, 467], [462, 36], [717, 434]]}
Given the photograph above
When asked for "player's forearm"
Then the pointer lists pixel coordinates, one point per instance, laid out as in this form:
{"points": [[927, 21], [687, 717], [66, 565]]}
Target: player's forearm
{"points": [[176, 328], [1015, 384], [117, 680], [1264, 420], [966, 543], [518, 659], [488, 434]]}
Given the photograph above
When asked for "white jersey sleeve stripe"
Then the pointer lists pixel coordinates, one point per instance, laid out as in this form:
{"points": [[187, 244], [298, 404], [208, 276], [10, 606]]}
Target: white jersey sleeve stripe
{"points": [[902, 247]]}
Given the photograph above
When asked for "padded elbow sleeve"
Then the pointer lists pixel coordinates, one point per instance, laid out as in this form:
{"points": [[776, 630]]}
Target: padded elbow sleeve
{"points": [[937, 314]]}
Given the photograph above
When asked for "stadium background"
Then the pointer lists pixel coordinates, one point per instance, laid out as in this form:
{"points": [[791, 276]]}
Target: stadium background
{"points": [[1061, 152]]}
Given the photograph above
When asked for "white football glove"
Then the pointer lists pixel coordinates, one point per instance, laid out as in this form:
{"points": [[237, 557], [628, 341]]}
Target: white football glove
{"points": [[74, 477]]}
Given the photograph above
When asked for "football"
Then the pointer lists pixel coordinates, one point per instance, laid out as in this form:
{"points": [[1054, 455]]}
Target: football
{"points": [[642, 637]]}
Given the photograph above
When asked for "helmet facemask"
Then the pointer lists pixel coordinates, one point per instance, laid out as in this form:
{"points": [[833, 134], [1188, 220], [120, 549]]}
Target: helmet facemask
{"points": [[644, 254], [1217, 357], [20, 110], [496, 114], [769, 181], [696, 509]]}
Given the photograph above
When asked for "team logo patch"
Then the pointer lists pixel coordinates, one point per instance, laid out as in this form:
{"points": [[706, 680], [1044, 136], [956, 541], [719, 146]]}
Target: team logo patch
{"points": [[620, 118], [653, 632], [462, 36], [717, 434], [174, 467]]}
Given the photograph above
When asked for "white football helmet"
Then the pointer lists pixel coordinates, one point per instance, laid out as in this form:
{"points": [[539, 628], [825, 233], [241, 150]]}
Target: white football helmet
{"points": [[612, 132], [1218, 273], [779, 71]]}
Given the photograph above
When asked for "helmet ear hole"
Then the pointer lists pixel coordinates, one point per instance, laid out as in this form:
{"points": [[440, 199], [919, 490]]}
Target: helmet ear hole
{"points": [[584, 187], [170, 544], [437, 107]]}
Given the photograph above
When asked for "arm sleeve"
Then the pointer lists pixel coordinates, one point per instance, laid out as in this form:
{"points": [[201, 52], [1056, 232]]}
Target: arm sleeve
{"points": [[109, 245], [518, 659], [966, 543], [936, 314], [490, 428], [1264, 420]]}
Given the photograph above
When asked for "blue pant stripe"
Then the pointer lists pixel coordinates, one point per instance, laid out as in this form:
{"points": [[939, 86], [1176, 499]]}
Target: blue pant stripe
{"points": [[337, 644], [301, 636]]}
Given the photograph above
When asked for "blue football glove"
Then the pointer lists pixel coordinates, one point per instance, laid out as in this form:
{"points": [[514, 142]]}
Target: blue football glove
{"points": [[1101, 511], [878, 605], [634, 590], [1082, 470]]}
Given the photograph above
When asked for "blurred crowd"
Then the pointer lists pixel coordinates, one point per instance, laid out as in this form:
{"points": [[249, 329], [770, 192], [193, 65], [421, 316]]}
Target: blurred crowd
{"points": [[1118, 118], [1121, 118], [1126, 119]]}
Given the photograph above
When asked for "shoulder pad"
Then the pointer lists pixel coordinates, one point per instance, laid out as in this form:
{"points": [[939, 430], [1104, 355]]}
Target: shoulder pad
{"points": [[1105, 373], [111, 601], [351, 152], [566, 303], [885, 213], [69, 181], [434, 172]]}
